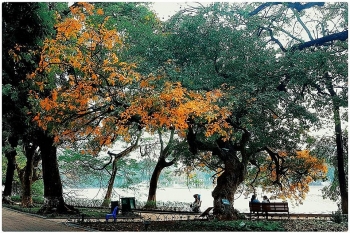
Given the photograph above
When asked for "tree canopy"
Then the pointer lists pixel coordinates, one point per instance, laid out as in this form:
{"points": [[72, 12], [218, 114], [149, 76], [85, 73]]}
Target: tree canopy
{"points": [[244, 83]]}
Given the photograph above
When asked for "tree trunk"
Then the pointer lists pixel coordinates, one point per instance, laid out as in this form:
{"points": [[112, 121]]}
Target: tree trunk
{"points": [[152, 192], [165, 151], [10, 171], [340, 161], [11, 166], [53, 191], [227, 184], [26, 176], [107, 198], [125, 152], [234, 171], [339, 142]]}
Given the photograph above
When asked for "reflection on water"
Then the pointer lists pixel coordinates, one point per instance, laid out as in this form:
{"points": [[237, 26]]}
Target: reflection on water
{"points": [[314, 203]]}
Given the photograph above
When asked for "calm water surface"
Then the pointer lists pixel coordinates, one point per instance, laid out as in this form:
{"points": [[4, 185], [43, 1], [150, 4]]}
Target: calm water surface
{"points": [[314, 203]]}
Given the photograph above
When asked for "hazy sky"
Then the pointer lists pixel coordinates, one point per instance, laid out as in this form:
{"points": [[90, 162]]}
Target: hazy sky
{"points": [[166, 9]]}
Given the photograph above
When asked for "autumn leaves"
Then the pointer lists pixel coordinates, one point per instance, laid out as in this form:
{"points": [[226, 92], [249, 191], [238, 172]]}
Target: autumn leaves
{"points": [[95, 96]]}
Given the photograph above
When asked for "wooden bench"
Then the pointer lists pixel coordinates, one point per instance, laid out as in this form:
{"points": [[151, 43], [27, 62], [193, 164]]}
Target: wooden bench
{"points": [[265, 208]]}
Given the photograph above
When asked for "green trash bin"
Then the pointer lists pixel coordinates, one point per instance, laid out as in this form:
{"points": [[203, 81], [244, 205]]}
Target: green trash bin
{"points": [[128, 204], [113, 205]]}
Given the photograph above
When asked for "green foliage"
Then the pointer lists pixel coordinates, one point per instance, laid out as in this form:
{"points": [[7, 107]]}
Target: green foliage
{"points": [[38, 200], [81, 170], [219, 46], [4, 168], [37, 192], [38, 189], [151, 204], [337, 217], [106, 202], [32, 210], [16, 198]]}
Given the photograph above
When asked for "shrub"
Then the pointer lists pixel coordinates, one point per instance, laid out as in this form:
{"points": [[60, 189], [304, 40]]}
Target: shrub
{"points": [[16, 198], [151, 204], [337, 217], [38, 200], [38, 188]]}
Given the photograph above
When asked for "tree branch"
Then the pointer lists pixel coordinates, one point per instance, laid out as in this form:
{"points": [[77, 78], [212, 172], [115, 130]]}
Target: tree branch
{"points": [[294, 5], [274, 39], [342, 36], [303, 25]]}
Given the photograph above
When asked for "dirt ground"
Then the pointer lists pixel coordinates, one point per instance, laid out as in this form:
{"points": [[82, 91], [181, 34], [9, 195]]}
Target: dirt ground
{"points": [[289, 226]]}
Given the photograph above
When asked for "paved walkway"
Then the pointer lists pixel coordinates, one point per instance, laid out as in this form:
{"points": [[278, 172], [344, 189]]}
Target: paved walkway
{"points": [[15, 221]]}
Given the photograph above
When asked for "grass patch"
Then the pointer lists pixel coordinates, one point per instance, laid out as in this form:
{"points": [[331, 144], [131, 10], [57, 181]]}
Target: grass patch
{"points": [[94, 213], [32, 210]]}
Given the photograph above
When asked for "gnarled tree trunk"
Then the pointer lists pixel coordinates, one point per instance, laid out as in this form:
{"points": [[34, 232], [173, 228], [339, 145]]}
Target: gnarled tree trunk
{"points": [[227, 184], [235, 169]]}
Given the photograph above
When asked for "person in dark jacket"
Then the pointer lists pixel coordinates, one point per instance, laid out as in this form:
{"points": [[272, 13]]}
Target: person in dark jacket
{"points": [[254, 200]]}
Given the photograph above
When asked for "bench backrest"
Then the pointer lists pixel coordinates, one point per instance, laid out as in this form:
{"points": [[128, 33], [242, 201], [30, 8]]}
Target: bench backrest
{"points": [[273, 206], [254, 206]]}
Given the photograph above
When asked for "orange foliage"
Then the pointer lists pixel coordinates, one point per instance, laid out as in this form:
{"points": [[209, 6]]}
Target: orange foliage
{"points": [[174, 105], [100, 95], [301, 168]]}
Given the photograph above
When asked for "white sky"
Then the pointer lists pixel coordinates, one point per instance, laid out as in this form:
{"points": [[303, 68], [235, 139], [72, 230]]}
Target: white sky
{"points": [[165, 10]]}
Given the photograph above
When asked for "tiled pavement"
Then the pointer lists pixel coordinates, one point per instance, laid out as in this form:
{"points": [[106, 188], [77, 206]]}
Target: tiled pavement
{"points": [[16, 221]]}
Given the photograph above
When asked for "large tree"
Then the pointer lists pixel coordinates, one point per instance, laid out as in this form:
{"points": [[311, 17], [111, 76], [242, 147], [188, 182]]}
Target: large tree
{"points": [[239, 103], [98, 97], [225, 46], [324, 72], [24, 27]]}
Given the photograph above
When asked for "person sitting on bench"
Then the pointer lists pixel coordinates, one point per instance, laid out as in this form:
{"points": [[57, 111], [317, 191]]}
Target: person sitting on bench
{"points": [[197, 203], [254, 199], [265, 200]]}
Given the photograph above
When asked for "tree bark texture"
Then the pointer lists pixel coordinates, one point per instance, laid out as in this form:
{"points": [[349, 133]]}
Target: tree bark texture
{"points": [[10, 171], [107, 198], [11, 166], [152, 192], [161, 164], [227, 184], [234, 170], [53, 191], [26, 176]]}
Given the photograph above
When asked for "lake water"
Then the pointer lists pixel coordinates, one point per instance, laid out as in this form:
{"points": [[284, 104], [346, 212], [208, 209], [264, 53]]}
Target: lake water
{"points": [[314, 203]]}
